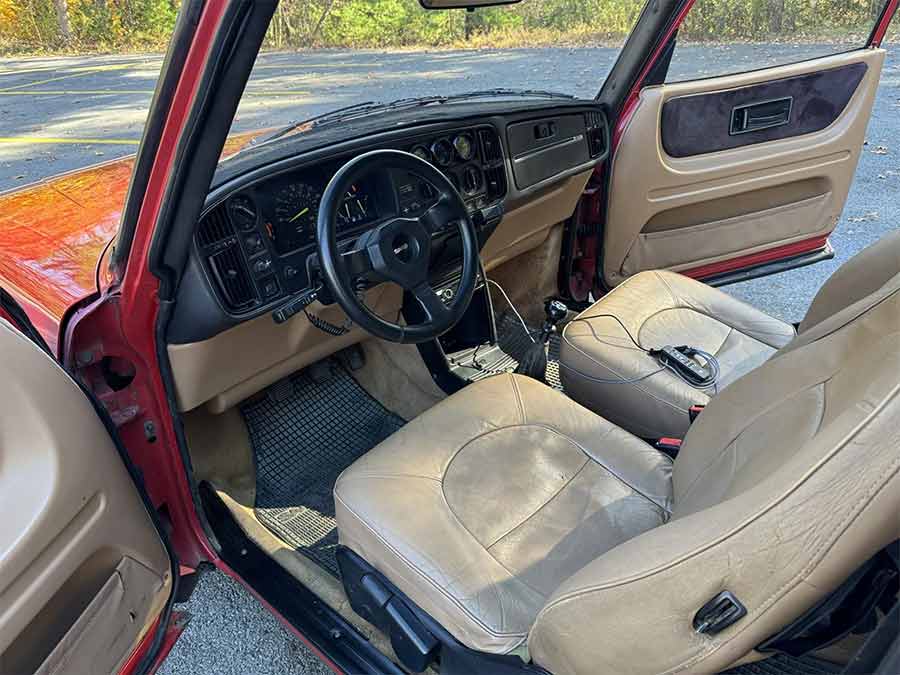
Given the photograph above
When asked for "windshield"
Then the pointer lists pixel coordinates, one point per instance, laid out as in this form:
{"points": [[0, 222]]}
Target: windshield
{"points": [[367, 52]]}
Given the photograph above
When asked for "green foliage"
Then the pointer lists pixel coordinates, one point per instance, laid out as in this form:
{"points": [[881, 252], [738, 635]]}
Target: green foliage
{"points": [[107, 25]]}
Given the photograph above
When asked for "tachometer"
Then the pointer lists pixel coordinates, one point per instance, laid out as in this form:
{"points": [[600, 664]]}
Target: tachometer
{"points": [[296, 213]]}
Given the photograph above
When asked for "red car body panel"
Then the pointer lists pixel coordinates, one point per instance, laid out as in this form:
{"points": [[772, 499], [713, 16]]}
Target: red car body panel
{"points": [[55, 233]]}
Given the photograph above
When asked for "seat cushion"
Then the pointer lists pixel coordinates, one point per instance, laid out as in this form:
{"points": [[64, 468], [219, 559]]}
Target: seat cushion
{"points": [[602, 369], [479, 508]]}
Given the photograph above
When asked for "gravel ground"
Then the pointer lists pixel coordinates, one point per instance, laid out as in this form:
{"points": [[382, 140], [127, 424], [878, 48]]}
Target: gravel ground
{"points": [[58, 114]]}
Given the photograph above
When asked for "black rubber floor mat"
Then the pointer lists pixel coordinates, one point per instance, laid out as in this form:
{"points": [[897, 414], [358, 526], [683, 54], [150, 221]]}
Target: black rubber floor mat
{"points": [[512, 344], [304, 431], [782, 664]]}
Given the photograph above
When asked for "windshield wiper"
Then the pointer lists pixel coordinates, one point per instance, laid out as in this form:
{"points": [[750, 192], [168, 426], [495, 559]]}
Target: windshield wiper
{"points": [[505, 91], [367, 107]]}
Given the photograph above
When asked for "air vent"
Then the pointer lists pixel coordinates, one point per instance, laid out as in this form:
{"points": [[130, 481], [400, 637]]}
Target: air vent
{"points": [[495, 179], [215, 227], [596, 133], [492, 151], [231, 273]]}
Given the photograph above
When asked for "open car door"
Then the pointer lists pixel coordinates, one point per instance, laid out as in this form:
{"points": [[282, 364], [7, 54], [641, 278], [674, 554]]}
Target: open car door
{"points": [[730, 177], [84, 574]]}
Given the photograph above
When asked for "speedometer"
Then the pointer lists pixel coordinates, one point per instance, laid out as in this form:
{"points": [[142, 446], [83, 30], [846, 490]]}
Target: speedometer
{"points": [[296, 213]]}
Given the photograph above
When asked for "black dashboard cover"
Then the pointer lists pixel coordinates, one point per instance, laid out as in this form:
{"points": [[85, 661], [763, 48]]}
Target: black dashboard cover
{"points": [[699, 123]]}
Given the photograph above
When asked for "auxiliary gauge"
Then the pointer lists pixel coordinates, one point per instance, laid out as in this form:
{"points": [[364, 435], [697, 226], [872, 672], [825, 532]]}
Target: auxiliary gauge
{"points": [[464, 147]]}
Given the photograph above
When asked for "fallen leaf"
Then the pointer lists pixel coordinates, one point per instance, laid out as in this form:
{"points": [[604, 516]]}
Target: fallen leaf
{"points": [[866, 217]]}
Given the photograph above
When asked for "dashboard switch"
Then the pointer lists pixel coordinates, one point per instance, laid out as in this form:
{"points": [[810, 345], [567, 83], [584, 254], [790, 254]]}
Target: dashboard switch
{"points": [[262, 265], [254, 243]]}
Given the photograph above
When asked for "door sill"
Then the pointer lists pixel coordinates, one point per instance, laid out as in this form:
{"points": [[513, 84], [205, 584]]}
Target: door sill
{"points": [[825, 252]]}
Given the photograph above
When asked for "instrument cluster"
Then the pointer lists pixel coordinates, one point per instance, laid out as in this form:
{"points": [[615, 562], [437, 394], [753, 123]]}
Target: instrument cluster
{"points": [[256, 246]]}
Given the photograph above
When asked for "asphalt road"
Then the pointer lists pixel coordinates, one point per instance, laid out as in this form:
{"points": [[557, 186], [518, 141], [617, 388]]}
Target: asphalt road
{"points": [[58, 114]]}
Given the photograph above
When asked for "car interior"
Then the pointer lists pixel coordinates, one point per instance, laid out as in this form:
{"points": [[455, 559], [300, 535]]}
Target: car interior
{"points": [[457, 390], [383, 395]]}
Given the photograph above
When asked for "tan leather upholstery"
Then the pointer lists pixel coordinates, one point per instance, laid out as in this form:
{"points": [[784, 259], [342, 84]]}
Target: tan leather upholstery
{"points": [[856, 279], [786, 483], [602, 369], [480, 507]]}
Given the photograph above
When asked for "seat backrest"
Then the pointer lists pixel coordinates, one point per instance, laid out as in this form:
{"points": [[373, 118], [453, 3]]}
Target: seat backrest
{"points": [[855, 280], [786, 483]]}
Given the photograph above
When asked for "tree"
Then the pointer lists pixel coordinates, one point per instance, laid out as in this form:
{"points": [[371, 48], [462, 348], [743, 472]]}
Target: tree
{"points": [[62, 21]]}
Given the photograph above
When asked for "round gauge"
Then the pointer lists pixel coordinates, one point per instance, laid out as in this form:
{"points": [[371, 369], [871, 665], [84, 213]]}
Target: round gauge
{"points": [[442, 151], [356, 208], [464, 147], [243, 212], [421, 152], [296, 213]]}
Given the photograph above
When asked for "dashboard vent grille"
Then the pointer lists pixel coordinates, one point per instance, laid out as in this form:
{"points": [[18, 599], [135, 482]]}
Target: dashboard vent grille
{"points": [[490, 144], [495, 179], [231, 272], [596, 133], [215, 227]]}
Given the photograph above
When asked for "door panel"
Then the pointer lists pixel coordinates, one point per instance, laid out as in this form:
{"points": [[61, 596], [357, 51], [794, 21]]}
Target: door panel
{"points": [[727, 196], [83, 572]]}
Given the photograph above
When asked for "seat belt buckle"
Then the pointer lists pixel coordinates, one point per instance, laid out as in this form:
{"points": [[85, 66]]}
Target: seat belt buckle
{"points": [[694, 411], [670, 446]]}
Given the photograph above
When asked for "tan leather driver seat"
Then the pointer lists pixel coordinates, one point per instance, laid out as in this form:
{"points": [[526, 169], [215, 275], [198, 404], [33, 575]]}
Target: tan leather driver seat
{"points": [[515, 517], [601, 368]]}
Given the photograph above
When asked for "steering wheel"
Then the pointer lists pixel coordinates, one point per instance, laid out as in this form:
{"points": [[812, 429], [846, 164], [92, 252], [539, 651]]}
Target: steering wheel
{"points": [[398, 250]]}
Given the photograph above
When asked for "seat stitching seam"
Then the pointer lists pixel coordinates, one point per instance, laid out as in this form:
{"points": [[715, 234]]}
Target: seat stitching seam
{"points": [[518, 394], [491, 555], [549, 499], [649, 393], [602, 465], [424, 576], [665, 283]]}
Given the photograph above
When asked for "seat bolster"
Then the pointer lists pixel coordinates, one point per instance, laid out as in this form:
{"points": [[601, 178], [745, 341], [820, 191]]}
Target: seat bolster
{"points": [[861, 276]]}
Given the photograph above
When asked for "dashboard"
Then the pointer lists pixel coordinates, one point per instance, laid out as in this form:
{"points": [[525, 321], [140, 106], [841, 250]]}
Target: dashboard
{"points": [[258, 245], [253, 251]]}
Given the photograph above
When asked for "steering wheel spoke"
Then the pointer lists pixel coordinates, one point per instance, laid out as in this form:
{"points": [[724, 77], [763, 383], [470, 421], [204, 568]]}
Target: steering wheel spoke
{"points": [[439, 215], [358, 262], [431, 302]]}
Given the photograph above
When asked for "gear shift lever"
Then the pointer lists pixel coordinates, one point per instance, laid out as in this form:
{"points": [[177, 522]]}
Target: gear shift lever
{"points": [[534, 363]]}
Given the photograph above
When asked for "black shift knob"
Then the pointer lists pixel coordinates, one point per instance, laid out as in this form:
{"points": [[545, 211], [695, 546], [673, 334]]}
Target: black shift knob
{"points": [[555, 310]]}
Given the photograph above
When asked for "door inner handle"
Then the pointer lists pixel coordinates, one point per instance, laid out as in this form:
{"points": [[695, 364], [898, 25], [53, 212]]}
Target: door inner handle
{"points": [[760, 115]]}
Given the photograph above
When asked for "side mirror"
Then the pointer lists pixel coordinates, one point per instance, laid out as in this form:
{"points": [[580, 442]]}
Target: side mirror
{"points": [[463, 4]]}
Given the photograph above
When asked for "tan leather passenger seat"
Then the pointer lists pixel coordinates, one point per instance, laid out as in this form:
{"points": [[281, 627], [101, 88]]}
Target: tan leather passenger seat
{"points": [[513, 515], [602, 369]]}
